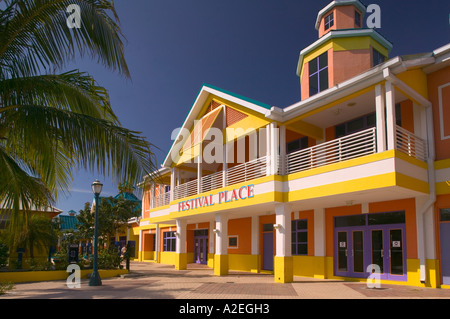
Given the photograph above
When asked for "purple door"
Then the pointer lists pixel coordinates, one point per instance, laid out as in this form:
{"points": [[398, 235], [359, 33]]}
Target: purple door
{"points": [[361, 241], [445, 252], [201, 246], [267, 251]]}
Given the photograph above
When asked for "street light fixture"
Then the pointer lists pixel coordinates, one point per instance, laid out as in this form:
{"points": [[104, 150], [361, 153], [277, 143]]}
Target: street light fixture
{"points": [[95, 277]]}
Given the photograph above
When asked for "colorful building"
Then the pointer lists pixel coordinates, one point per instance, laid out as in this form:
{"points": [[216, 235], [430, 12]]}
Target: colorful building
{"points": [[351, 179]]}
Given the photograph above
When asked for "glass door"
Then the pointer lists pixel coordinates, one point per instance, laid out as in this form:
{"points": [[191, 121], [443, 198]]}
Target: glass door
{"points": [[388, 251], [350, 253]]}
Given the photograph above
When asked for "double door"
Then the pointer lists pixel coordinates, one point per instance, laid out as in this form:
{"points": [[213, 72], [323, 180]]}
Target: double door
{"points": [[201, 246], [382, 246]]}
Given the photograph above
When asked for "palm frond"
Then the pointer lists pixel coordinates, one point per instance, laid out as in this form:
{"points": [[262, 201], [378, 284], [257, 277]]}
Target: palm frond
{"points": [[35, 36], [99, 145], [75, 91]]}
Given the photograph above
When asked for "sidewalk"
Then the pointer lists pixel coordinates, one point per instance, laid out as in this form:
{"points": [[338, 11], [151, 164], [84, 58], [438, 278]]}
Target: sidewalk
{"points": [[157, 281]]}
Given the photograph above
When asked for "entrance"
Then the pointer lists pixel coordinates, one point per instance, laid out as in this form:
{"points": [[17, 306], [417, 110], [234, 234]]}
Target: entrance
{"points": [[201, 246], [378, 239], [444, 227], [267, 262]]}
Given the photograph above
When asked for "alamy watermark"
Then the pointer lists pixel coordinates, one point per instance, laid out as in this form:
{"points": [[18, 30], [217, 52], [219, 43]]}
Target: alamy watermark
{"points": [[74, 279], [74, 19]]}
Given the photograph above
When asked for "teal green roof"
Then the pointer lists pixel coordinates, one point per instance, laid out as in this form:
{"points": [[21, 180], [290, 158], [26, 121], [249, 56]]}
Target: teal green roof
{"points": [[264, 105], [68, 222]]}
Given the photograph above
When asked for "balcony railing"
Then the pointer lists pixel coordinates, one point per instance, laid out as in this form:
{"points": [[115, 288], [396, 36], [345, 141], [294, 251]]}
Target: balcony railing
{"points": [[345, 148], [341, 149], [186, 189], [237, 174], [411, 144], [161, 200]]}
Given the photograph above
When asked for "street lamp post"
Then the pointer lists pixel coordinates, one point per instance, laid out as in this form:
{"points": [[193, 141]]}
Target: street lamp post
{"points": [[95, 277]]}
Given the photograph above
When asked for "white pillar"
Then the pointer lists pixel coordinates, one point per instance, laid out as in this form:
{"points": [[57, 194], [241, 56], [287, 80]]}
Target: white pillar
{"points": [[268, 149], [157, 241], [221, 234], [380, 104], [181, 236], [173, 179], [225, 164], [255, 235], [211, 236], [141, 238], [274, 143], [319, 232], [390, 116], [199, 175], [152, 196], [283, 149], [283, 233]]}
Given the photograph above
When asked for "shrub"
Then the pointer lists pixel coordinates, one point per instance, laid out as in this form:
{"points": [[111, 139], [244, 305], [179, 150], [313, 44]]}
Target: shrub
{"points": [[108, 259]]}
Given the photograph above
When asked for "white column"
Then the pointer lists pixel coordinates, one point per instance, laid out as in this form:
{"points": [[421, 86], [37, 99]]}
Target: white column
{"points": [[211, 241], [199, 175], [381, 119], [152, 196], [319, 232], [283, 149], [390, 115], [225, 164], [173, 178], [268, 150], [141, 239], [221, 234], [157, 239], [283, 233], [274, 143], [181, 237], [255, 235]]}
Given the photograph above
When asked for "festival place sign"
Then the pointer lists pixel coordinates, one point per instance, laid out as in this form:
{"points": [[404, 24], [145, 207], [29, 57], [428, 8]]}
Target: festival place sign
{"points": [[222, 198]]}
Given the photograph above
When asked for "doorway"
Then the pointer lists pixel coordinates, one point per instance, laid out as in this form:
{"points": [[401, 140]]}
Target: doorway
{"points": [[371, 239], [201, 246], [267, 260]]}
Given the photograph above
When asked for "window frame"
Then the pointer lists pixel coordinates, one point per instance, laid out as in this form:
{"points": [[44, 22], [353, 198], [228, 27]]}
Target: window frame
{"points": [[319, 72], [376, 58], [169, 241], [328, 21], [358, 18], [294, 238]]}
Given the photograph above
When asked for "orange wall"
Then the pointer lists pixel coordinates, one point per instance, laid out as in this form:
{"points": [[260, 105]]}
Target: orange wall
{"points": [[407, 115], [348, 64], [435, 80], [243, 229]]}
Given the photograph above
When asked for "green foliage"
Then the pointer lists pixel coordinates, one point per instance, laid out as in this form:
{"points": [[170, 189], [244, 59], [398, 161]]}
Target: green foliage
{"points": [[113, 213], [4, 254], [108, 259], [54, 121], [36, 232]]}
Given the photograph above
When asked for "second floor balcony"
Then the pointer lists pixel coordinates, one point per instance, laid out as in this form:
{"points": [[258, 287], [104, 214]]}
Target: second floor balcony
{"points": [[381, 128]]}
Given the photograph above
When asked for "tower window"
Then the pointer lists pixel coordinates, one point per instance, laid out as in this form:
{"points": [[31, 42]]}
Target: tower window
{"points": [[378, 58], [329, 21], [318, 74], [357, 19]]}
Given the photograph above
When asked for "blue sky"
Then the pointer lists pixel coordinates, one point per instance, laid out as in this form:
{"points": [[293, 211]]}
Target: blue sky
{"points": [[249, 47]]}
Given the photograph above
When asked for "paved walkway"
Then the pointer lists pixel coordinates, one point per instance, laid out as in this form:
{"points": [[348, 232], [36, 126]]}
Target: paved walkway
{"points": [[156, 281]]}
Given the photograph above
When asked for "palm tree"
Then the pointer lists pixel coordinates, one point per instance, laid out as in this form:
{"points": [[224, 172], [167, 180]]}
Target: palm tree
{"points": [[54, 121]]}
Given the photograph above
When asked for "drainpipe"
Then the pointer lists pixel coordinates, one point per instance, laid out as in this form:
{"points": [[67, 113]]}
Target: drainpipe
{"points": [[430, 161]]}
